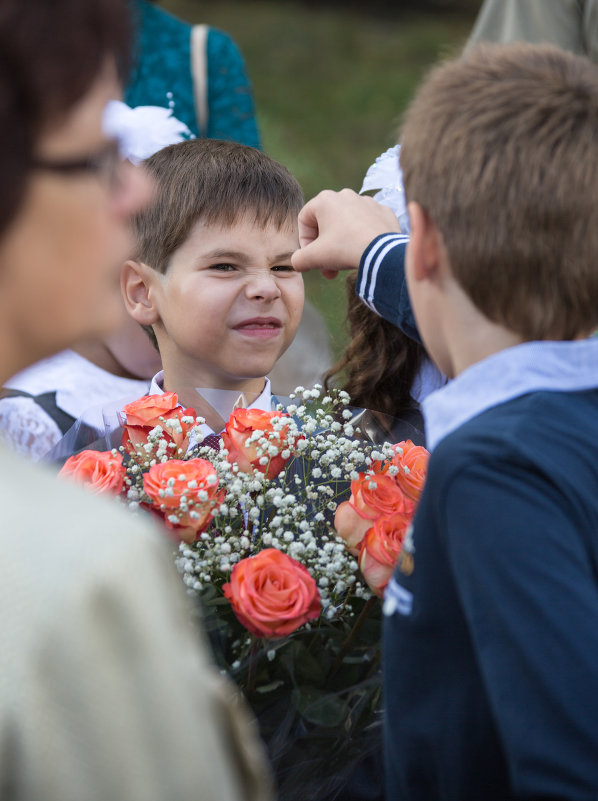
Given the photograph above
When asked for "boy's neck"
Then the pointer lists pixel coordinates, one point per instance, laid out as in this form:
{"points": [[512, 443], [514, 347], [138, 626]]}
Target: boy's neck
{"points": [[470, 336]]}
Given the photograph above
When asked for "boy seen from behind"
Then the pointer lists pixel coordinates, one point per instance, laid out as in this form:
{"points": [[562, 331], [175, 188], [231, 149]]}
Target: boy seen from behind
{"points": [[491, 633], [212, 277]]}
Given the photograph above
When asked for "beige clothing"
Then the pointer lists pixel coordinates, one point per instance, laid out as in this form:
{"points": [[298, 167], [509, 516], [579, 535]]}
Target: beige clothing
{"points": [[105, 692], [570, 24]]}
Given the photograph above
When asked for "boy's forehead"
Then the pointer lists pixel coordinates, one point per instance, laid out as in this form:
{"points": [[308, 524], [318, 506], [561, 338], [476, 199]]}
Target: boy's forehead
{"points": [[242, 237], [247, 224]]}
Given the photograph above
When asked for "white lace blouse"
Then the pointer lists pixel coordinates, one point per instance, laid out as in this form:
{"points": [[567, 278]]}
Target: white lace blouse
{"points": [[82, 389]]}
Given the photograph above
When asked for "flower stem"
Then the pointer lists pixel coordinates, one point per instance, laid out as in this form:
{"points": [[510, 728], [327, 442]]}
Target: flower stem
{"points": [[352, 634], [252, 666]]}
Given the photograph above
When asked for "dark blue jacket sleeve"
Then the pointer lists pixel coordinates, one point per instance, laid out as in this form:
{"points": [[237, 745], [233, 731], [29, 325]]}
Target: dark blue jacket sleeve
{"points": [[381, 282], [530, 597]]}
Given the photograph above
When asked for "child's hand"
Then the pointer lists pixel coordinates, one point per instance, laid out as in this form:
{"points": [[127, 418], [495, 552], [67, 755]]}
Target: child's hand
{"points": [[336, 227]]}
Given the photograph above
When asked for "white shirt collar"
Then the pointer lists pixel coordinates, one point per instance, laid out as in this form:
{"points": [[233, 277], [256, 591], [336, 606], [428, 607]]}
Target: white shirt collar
{"points": [[219, 399], [508, 374]]}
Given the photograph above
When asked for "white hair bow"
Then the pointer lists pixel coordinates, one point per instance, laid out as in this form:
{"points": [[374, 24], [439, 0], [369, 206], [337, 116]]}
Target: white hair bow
{"points": [[385, 175], [143, 130]]}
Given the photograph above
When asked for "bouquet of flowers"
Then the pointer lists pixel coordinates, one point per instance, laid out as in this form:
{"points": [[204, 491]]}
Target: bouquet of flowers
{"points": [[288, 533]]}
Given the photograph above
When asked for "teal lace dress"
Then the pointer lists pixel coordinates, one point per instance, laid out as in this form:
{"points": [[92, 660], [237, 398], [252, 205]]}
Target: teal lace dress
{"points": [[161, 76]]}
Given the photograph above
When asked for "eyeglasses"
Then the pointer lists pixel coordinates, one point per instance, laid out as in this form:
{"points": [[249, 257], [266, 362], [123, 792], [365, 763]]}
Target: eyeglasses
{"points": [[106, 164]]}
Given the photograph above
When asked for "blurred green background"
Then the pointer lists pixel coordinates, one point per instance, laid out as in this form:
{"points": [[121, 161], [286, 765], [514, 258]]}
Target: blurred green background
{"points": [[331, 81]]}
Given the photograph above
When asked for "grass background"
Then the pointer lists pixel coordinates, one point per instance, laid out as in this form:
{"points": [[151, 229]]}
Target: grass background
{"points": [[330, 87]]}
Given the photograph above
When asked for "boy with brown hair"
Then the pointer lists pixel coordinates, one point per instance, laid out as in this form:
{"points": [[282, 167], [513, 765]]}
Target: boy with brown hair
{"points": [[212, 277], [491, 634]]}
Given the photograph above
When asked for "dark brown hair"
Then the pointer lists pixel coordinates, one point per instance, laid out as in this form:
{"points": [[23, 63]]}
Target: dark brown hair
{"points": [[51, 52], [380, 362], [214, 181], [500, 148]]}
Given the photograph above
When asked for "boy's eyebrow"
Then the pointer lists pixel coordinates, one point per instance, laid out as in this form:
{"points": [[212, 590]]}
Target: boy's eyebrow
{"points": [[223, 253]]}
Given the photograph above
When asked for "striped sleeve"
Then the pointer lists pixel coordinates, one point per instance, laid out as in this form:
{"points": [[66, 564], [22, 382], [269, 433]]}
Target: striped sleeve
{"points": [[381, 282]]}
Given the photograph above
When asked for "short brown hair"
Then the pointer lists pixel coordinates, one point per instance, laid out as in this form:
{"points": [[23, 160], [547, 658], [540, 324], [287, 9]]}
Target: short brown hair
{"points": [[500, 148], [216, 182], [50, 55]]}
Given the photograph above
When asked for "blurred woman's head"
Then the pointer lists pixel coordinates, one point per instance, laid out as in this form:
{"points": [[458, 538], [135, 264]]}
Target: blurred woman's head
{"points": [[50, 55], [64, 214]]}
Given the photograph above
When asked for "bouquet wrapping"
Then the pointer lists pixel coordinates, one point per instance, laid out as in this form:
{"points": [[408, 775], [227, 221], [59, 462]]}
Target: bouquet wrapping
{"points": [[288, 531]]}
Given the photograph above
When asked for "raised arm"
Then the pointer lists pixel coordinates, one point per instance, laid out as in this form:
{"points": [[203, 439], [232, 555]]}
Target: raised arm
{"points": [[345, 231], [336, 227]]}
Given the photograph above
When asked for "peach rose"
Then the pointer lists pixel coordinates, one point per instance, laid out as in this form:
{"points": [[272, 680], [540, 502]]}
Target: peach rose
{"points": [[241, 425], [272, 594], [185, 492], [372, 496], [351, 525], [413, 467], [99, 471], [380, 550], [144, 414]]}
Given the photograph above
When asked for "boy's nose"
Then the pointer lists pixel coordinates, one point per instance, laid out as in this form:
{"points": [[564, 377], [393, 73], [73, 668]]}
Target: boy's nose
{"points": [[262, 284]]}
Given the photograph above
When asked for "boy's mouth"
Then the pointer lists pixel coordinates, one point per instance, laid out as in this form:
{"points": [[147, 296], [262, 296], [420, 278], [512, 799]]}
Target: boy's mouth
{"points": [[259, 327]]}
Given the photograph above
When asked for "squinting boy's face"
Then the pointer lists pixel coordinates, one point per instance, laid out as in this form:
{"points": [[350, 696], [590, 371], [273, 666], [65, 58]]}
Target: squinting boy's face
{"points": [[229, 305]]}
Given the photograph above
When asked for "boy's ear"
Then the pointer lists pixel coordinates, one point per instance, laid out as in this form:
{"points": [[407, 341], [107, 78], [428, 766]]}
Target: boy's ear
{"points": [[425, 243], [136, 282]]}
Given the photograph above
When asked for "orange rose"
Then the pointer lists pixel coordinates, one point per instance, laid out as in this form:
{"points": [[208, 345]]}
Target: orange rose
{"points": [[380, 550], [146, 413], [241, 425], [372, 496], [350, 525], [99, 471], [185, 492], [413, 467], [272, 594]]}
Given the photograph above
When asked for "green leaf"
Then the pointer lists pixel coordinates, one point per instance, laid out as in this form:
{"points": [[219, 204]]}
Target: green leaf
{"points": [[319, 708], [267, 688]]}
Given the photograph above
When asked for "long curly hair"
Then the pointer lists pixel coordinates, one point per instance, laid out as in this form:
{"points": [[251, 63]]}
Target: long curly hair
{"points": [[380, 362]]}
